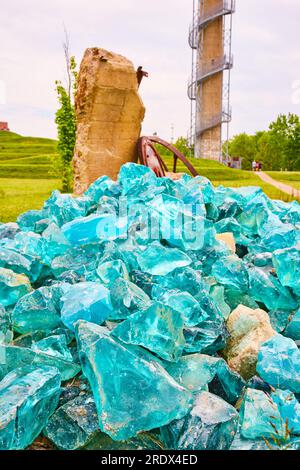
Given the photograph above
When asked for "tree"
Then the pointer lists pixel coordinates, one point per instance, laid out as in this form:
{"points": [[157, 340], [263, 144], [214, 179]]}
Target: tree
{"points": [[285, 134], [66, 120]]}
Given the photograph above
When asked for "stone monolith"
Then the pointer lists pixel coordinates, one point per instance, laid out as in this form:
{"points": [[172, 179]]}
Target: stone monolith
{"points": [[109, 114]]}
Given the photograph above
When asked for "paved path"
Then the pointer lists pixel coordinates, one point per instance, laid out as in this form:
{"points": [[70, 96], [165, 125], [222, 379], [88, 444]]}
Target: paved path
{"points": [[286, 188]]}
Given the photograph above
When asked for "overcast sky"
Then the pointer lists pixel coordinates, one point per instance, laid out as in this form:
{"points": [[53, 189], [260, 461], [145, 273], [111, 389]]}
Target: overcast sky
{"points": [[152, 33]]}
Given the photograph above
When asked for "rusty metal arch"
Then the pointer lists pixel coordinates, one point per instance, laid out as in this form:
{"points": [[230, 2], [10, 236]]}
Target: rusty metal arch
{"points": [[150, 157]]}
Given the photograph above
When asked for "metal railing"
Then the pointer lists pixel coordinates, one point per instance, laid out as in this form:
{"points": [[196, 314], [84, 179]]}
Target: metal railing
{"points": [[225, 7], [192, 89], [214, 66], [205, 125]]}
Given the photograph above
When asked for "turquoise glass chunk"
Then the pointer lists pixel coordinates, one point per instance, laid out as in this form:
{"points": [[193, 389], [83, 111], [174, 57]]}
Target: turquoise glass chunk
{"points": [[88, 301], [12, 357], [132, 391], [109, 271], [293, 328], [279, 363], [260, 416], [126, 298], [267, 289], [231, 272], [158, 328], [287, 266], [39, 310], [8, 231], [210, 425], [54, 345], [20, 264], [74, 424], [28, 397], [182, 302], [197, 371], [84, 230], [12, 287], [28, 220], [136, 179], [6, 334], [159, 260], [63, 208], [103, 186], [239, 443], [270, 416], [289, 409]]}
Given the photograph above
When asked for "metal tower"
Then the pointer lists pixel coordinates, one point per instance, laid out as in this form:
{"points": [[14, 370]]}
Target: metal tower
{"points": [[209, 87]]}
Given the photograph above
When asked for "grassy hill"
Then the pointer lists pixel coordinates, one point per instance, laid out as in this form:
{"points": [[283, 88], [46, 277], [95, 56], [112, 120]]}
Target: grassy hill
{"points": [[26, 157]]}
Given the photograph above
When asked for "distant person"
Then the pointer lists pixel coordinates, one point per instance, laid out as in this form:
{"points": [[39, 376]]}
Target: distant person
{"points": [[260, 166], [140, 74], [254, 165]]}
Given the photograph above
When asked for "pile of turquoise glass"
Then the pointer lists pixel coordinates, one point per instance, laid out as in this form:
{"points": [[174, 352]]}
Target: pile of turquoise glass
{"points": [[113, 318]]}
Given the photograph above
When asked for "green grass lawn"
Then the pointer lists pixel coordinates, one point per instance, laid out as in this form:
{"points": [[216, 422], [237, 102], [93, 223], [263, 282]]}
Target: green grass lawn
{"points": [[20, 195], [288, 177], [26, 157]]}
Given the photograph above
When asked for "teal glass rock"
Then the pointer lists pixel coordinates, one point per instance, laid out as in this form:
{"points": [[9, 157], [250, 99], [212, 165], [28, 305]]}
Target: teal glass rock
{"points": [[231, 272], [182, 302], [55, 243], [6, 334], [210, 425], [109, 271], [136, 179], [159, 260], [28, 220], [260, 417], [279, 319], [239, 443], [279, 363], [84, 230], [55, 345], [208, 337], [8, 231], [293, 328], [158, 328], [217, 293], [289, 409], [265, 288], [12, 357], [197, 371], [63, 208], [39, 310], [12, 287], [287, 266], [103, 186], [74, 424], [80, 263], [28, 397], [132, 391], [275, 416], [20, 264], [88, 301], [126, 298]]}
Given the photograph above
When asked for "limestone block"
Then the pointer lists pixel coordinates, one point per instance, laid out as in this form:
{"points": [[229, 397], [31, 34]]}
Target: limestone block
{"points": [[248, 330], [228, 239], [109, 114]]}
